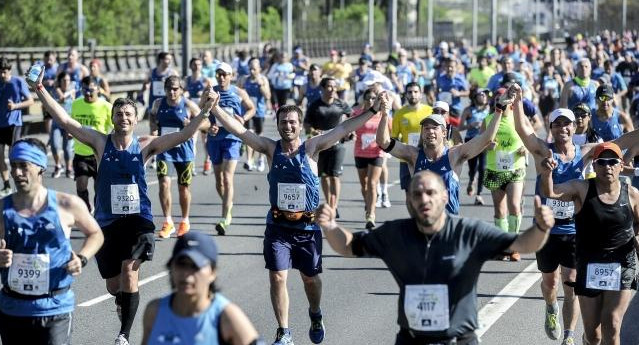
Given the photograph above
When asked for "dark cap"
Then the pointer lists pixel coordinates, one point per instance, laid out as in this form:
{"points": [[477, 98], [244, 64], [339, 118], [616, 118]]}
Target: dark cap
{"points": [[605, 90], [198, 247], [581, 108], [509, 78]]}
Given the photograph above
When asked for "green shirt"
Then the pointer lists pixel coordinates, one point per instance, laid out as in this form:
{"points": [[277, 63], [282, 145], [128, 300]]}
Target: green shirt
{"points": [[96, 115], [480, 77], [504, 156]]}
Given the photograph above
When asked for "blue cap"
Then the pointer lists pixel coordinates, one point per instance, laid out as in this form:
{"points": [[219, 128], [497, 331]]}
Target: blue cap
{"points": [[198, 247]]}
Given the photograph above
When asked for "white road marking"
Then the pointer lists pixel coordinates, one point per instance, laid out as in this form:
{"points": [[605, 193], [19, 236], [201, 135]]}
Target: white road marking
{"points": [[105, 297], [505, 299]]}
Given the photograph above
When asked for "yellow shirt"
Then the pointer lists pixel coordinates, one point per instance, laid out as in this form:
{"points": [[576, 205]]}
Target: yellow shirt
{"points": [[339, 71], [96, 115], [406, 127]]}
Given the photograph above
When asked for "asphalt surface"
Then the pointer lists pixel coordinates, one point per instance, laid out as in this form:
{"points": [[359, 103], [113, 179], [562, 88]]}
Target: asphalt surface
{"points": [[359, 295]]}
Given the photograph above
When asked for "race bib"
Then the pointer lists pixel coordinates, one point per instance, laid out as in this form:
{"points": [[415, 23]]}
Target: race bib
{"points": [[604, 276], [505, 160], [561, 209], [291, 197], [168, 130], [125, 199], [29, 274], [413, 139], [299, 80], [426, 307], [157, 88], [367, 140]]}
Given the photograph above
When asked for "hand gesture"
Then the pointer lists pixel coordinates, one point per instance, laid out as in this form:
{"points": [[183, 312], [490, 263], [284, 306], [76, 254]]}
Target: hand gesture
{"points": [[214, 129], [544, 218], [5, 254], [10, 105], [74, 266], [549, 163], [492, 145], [521, 151], [515, 93], [325, 217], [37, 82]]}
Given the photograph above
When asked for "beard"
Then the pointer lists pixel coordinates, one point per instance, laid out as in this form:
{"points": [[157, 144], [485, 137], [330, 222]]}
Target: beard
{"points": [[420, 218]]}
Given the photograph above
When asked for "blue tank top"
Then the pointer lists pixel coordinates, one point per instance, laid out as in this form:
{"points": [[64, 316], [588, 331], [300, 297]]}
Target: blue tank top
{"points": [[607, 130], [229, 101], [253, 90], [443, 168], [194, 86], [287, 172], [580, 94], [75, 74], [243, 68], [550, 85], [476, 115], [121, 184], [564, 211], [312, 93], [41, 235], [202, 329], [157, 85], [170, 120], [404, 74]]}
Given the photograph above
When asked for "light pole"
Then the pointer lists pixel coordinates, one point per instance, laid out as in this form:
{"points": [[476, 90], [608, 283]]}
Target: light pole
{"points": [[151, 22], [165, 25], [80, 26], [236, 28], [212, 22]]}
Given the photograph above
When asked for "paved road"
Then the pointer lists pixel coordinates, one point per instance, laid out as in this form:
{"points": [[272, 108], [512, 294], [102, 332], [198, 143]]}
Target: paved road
{"points": [[359, 296]]}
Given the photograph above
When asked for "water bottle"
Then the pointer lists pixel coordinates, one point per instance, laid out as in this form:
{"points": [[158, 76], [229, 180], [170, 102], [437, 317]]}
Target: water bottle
{"points": [[34, 72]]}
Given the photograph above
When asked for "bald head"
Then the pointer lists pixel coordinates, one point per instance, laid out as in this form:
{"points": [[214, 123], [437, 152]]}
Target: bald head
{"points": [[426, 175], [427, 199]]}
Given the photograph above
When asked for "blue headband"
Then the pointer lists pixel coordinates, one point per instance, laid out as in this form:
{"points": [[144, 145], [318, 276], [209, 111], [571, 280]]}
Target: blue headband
{"points": [[24, 151]]}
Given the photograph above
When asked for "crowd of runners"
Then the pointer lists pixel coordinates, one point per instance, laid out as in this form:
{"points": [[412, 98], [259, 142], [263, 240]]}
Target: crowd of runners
{"points": [[569, 110]]}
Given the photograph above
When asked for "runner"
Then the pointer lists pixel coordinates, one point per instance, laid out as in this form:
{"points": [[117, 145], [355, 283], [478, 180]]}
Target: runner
{"points": [[195, 85], [224, 147], [301, 63], [340, 70], [369, 158], [123, 208], [292, 238], [155, 84], [506, 167], [209, 66], [507, 66], [451, 87], [34, 236], [434, 257], [581, 89], [195, 313], [75, 69], [14, 97], [172, 113], [406, 71], [281, 76], [471, 122], [478, 76], [49, 81], [92, 112], [312, 89], [606, 211], [407, 127], [323, 115], [59, 138], [432, 152], [257, 87], [609, 122], [585, 134], [103, 84]]}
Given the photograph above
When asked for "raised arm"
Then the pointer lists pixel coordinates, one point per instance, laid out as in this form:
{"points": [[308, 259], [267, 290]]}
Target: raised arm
{"points": [[565, 93], [88, 136], [338, 237], [476, 145], [567, 191], [523, 127], [399, 149]]}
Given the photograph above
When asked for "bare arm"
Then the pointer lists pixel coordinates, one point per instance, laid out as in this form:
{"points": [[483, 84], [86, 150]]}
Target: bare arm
{"points": [[464, 119], [476, 145], [84, 221], [565, 93], [258, 143], [148, 319], [567, 191], [634, 201], [628, 140], [535, 237], [328, 139], [337, 236], [247, 104], [525, 130], [153, 115], [626, 121], [235, 327], [106, 90], [400, 150]]}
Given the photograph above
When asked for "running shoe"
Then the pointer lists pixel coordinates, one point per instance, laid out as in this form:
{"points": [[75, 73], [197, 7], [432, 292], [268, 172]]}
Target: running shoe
{"points": [[514, 256], [470, 190], [552, 325], [261, 166], [221, 228], [207, 168], [316, 332], [249, 166], [57, 172], [479, 201], [152, 164], [568, 341], [167, 230], [370, 222], [378, 203], [5, 191], [283, 338], [121, 340], [69, 173], [385, 200], [183, 228]]}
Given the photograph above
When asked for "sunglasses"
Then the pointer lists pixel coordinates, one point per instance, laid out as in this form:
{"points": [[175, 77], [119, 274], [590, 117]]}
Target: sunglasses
{"points": [[607, 161], [604, 98], [439, 111], [582, 114]]}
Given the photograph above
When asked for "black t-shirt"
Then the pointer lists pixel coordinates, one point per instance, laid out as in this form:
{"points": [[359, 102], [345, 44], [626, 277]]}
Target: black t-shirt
{"points": [[627, 69], [453, 257], [322, 116]]}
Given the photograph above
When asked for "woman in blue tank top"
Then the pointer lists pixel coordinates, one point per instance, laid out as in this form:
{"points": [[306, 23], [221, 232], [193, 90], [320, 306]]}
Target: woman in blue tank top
{"points": [[195, 313]]}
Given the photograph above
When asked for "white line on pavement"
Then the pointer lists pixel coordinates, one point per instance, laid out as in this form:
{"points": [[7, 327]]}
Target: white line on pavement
{"points": [[505, 299], [105, 297]]}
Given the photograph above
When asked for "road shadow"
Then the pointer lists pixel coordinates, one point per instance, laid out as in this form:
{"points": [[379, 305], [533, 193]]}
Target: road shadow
{"points": [[357, 269]]}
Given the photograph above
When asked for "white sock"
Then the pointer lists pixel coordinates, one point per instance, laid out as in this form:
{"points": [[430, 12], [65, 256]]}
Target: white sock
{"points": [[385, 188], [185, 220], [168, 219]]}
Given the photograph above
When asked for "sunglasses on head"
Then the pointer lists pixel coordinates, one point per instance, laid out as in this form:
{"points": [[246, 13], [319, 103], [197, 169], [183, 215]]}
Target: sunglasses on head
{"points": [[604, 98], [607, 161]]}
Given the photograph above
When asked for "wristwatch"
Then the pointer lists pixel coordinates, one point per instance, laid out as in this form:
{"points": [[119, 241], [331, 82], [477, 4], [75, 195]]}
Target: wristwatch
{"points": [[83, 259]]}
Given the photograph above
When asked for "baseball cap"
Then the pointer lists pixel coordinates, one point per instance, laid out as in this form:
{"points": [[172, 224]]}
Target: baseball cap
{"points": [[373, 77], [509, 78], [198, 247], [604, 90], [581, 107], [599, 149], [567, 113], [299, 50], [224, 67], [441, 105], [438, 119]]}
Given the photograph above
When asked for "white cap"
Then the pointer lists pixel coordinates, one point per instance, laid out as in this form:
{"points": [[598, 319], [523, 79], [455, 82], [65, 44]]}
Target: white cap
{"points": [[567, 113], [226, 68], [373, 77], [443, 45], [441, 105]]}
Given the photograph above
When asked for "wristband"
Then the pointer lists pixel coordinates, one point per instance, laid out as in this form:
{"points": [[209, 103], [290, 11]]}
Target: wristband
{"points": [[83, 259], [390, 146], [637, 172], [372, 110]]}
